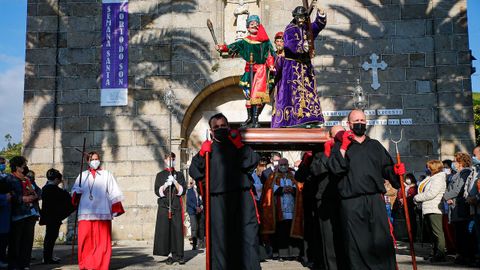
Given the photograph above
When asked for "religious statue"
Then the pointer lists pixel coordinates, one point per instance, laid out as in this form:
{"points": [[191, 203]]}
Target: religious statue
{"points": [[278, 41], [296, 99], [256, 82], [241, 14]]}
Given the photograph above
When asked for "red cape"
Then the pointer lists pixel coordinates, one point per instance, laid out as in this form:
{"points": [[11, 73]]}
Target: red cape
{"points": [[261, 35]]}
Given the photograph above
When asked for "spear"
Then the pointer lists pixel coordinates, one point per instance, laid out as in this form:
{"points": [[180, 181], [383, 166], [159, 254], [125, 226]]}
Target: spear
{"points": [[80, 185], [405, 205]]}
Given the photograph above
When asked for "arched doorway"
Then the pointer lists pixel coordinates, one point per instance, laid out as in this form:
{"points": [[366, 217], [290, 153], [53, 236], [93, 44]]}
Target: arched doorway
{"points": [[223, 96]]}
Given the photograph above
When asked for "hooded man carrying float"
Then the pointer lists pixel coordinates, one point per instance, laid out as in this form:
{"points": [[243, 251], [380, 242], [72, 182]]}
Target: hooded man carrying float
{"points": [[256, 82]]}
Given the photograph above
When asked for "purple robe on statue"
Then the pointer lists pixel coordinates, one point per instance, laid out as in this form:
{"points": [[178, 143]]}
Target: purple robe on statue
{"points": [[296, 100]]}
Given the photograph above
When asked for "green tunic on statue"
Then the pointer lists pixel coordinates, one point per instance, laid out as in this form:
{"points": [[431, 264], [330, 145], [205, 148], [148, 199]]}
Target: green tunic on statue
{"points": [[263, 57]]}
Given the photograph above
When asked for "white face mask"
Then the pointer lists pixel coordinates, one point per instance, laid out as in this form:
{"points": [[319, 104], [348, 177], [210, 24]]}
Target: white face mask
{"points": [[408, 181], [447, 171], [275, 163], [168, 164], [94, 164]]}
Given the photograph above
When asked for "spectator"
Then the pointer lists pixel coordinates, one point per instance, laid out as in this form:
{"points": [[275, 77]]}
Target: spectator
{"points": [[390, 197], [5, 212], [31, 176], [447, 168], [257, 183], [448, 229], [473, 199], [57, 205], [265, 250], [283, 211], [410, 191], [24, 215], [430, 193], [3, 166], [274, 158], [458, 209], [194, 210]]}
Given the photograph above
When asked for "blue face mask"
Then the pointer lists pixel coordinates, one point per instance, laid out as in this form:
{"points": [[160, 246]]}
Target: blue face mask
{"points": [[454, 167], [475, 160], [2, 167]]}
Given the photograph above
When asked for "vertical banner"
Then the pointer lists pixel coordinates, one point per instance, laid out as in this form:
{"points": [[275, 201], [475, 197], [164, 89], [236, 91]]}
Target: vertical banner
{"points": [[114, 88]]}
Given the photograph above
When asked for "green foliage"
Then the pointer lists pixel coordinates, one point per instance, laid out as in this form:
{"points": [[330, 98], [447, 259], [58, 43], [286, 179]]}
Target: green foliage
{"points": [[476, 122], [476, 98], [12, 149]]}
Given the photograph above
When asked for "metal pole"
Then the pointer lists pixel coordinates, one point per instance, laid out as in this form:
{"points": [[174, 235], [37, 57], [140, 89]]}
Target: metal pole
{"points": [[170, 161]]}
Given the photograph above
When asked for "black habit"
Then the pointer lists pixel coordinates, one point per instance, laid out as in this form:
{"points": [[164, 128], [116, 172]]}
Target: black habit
{"points": [[233, 222], [363, 216], [169, 232], [325, 202]]}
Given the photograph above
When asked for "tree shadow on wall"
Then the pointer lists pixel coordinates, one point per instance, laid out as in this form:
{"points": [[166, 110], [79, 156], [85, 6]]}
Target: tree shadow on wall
{"points": [[162, 55], [423, 45], [159, 55]]}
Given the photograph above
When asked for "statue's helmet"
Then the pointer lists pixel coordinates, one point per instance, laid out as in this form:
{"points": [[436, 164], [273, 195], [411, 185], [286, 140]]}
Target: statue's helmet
{"points": [[253, 18], [299, 11]]}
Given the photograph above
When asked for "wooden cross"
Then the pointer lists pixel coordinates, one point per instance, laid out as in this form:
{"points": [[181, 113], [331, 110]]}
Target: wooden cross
{"points": [[374, 66]]}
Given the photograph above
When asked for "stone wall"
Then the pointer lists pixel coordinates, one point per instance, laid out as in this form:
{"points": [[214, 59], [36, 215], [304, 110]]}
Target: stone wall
{"points": [[424, 43]]}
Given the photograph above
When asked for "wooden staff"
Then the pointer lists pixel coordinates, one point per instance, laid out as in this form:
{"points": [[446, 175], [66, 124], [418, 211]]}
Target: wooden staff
{"points": [[405, 205], [311, 41], [76, 213]]}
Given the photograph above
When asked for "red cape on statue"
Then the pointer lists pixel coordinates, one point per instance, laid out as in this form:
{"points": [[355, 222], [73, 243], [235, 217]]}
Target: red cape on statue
{"points": [[261, 35]]}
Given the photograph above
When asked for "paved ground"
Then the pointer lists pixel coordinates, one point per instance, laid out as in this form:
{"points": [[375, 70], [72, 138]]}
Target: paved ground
{"points": [[138, 255]]}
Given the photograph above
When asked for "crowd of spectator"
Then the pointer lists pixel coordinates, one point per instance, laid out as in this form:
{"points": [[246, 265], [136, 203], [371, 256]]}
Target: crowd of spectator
{"points": [[20, 210], [444, 208]]}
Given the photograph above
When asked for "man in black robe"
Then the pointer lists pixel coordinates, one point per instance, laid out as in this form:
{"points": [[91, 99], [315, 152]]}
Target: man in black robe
{"points": [[234, 221], [362, 165], [170, 186], [327, 239]]}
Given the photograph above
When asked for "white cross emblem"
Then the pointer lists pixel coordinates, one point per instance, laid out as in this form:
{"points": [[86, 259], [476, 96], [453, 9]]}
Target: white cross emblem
{"points": [[374, 66]]}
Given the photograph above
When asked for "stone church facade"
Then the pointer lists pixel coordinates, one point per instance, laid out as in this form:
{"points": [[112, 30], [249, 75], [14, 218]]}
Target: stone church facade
{"points": [[426, 85]]}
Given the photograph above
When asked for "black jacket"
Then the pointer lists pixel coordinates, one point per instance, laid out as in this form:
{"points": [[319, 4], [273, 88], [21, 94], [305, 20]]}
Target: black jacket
{"points": [[56, 206]]}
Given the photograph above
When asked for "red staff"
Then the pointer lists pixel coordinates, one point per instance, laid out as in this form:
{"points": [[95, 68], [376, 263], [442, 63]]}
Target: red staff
{"points": [[207, 149], [404, 198], [207, 205]]}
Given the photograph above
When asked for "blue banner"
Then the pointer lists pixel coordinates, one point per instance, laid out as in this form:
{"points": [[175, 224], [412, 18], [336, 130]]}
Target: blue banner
{"points": [[114, 86]]}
